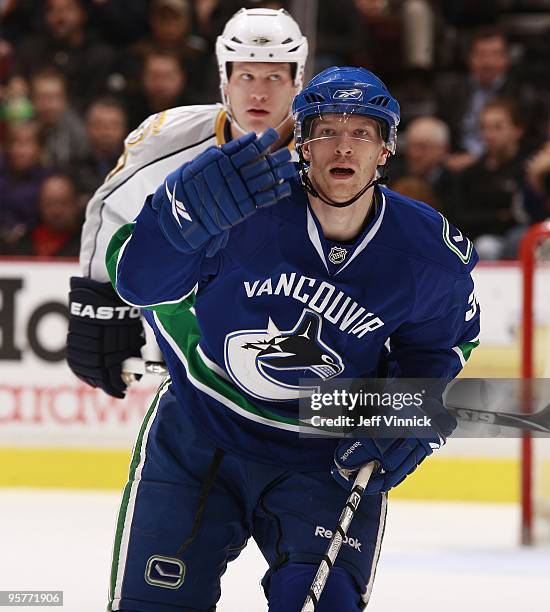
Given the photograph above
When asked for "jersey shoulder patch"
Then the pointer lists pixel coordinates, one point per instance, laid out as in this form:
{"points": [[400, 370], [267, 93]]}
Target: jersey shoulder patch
{"points": [[171, 129], [457, 242], [426, 234], [162, 135]]}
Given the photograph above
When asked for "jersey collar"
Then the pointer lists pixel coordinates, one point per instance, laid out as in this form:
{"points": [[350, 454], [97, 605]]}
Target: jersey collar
{"points": [[319, 242]]}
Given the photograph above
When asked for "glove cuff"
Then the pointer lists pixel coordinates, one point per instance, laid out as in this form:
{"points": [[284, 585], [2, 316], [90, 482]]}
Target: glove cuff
{"points": [[443, 422]]}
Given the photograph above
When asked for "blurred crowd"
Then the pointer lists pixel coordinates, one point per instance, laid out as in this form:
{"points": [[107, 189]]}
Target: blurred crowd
{"points": [[473, 80]]}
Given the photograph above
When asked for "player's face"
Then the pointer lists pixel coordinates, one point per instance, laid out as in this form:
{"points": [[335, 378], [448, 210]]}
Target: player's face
{"points": [[343, 153], [424, 153], [260, 94]]}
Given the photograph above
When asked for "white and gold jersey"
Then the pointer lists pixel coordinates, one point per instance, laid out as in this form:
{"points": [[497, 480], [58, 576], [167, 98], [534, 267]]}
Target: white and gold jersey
{"points": [[157, 147]]}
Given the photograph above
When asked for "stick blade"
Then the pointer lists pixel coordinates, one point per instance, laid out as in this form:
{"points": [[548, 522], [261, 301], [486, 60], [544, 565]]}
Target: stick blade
{"points": [[542, 418]]}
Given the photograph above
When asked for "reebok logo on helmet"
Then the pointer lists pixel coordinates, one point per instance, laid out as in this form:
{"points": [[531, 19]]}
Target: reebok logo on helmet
{"points": [[347, 94]]}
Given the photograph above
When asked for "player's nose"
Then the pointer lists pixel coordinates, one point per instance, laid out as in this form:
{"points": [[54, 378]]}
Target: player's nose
{"points": [[343, 144], [259, 96]]}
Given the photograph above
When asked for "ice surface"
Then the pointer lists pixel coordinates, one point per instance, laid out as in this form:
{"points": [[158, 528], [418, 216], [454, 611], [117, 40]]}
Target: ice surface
{"points": [[436, 556]]}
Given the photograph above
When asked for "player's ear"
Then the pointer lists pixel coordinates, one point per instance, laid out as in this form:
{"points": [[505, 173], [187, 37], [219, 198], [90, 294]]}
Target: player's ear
{"points": [[383, 157], [306, 152]]}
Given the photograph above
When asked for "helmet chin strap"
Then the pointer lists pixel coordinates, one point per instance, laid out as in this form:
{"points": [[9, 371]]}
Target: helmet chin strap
{"points": [[310, 188]]}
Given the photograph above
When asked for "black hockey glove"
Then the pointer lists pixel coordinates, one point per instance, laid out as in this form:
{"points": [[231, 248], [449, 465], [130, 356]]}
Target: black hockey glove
{"points": [[103, 332]]}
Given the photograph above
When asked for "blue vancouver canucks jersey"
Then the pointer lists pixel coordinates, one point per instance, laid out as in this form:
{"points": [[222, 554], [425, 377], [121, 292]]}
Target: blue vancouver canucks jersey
{"points": [[282, 303]]}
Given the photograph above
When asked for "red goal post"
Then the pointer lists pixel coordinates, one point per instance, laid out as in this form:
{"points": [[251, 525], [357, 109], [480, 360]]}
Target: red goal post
{"points": [[530, 246]]}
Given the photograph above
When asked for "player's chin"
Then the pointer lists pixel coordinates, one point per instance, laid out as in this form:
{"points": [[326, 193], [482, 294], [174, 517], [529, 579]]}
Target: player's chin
{"points": [[258, 123], [338, 198], [340, 191]]}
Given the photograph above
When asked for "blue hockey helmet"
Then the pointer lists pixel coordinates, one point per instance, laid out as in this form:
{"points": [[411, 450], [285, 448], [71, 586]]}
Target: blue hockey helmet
{"points": [[347, 90]]}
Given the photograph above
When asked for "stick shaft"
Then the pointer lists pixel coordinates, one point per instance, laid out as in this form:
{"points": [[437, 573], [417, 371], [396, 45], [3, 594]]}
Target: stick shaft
{"points": [[338, 538], [534, 422]]}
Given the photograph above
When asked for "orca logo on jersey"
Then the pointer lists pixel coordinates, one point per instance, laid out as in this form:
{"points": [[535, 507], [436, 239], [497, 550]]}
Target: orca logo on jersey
{"points": [[269, 363], [347, 94]]}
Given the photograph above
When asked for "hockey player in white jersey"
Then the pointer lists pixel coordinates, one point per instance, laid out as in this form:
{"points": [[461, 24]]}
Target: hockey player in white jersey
{"points": [[261, 56]]}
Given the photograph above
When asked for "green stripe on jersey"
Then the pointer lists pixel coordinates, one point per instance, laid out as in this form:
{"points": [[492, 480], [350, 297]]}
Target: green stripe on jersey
{"points": [[112, 257], [184, 331], [467, 348], [138, 458], [113, 250]]}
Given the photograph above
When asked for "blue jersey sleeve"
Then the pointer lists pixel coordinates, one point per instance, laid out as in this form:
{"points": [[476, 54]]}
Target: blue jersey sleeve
{"points": [[442, 332], [148, 272]]}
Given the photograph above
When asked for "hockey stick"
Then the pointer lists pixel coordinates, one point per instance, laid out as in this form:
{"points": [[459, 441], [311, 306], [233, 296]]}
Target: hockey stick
{"points": [[538, 421], [135, 366], [338, 538]]}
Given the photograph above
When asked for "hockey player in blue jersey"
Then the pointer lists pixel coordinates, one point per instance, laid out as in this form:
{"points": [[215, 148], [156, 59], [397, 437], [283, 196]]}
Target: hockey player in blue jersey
{"points": [[253, 279]]}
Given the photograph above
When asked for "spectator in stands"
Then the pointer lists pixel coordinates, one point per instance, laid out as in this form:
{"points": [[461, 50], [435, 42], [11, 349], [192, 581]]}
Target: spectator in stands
{"points": [[460, 99], [86, 62], [15, 104], [163, 86], [21, 176], [62, 128], [57, 233], [537, 171], [210, 16], [106, 126], [395, 38], [340, 34], [406, 25], [6, 59], [18, 18], [425, 155], [417, 188], [120, 21], [490, 205], [374, 35], [170, 23]]}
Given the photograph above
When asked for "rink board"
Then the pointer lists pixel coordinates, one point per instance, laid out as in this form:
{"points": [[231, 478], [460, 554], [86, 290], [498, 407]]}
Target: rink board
{"points": [[57, 432]]}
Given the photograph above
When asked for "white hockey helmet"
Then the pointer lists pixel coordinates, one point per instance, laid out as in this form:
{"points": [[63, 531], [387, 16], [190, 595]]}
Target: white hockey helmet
{"points": [[261, 35]]}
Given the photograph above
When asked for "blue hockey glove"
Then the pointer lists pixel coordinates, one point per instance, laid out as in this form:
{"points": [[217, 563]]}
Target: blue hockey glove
{"points": [[397, 457], [202, 200]]}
